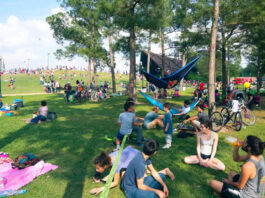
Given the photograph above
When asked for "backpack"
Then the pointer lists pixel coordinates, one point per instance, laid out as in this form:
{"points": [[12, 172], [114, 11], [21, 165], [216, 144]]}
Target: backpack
{"points": [[24, 161]]}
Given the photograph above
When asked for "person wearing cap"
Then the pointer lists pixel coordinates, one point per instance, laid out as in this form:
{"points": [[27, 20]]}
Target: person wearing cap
{"points": [[199, 118]]}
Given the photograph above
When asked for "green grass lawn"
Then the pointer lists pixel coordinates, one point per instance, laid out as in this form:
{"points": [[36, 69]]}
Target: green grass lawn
{"points": [[77, 136]]}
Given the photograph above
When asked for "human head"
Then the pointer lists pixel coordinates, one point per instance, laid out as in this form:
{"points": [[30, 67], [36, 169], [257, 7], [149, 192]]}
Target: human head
{"points": [[155, 109], [129, 106], [101, 162], [186, 103], [216, 91], [205, 126], [253, 145], [200, 107], [150, 147], [129, 100], [77, 82], [43, 103], [167, 106]]}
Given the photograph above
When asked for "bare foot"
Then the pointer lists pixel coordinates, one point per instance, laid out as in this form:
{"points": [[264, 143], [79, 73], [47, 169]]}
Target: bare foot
{"points": [[170, 174]]}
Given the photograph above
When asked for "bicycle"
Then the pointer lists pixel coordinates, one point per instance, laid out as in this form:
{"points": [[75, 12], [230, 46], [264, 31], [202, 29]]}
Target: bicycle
{"points": [[231, 115], [248, 116], [216, 118]]}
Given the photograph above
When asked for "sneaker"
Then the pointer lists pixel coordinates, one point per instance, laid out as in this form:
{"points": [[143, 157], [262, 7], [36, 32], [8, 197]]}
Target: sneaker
{"points": [[166, 146], [175, 130]]}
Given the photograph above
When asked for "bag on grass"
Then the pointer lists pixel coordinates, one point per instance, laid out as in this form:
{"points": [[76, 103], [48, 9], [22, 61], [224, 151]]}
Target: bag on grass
{"points": [[51, 116], [183, 134], [24, 161]]}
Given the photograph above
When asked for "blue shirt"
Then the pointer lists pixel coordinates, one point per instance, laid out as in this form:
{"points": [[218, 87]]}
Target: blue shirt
{"points": [[126, 119], [168, 119], [135, 170], [150, 117]]}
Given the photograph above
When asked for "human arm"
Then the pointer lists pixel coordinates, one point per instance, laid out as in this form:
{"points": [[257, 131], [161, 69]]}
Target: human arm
{"points": [[250, 99], [167, 125], [237, 157], [161, 117], [246, 172], [191, 119], [199, 147], [215, 144], [137, 124], [96, 191], [142, 186]]}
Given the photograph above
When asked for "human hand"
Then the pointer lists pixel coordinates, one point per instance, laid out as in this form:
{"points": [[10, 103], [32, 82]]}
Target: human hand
{"points": [[165, 190], [95, 191], [185, 121], [160, 194]]}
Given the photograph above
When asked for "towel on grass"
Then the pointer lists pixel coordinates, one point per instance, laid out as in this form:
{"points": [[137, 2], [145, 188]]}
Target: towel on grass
{"points": [[19, 178]]}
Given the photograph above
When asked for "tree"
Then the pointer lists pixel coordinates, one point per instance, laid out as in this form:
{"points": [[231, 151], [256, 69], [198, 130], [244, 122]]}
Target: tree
{"points": [[211, 83]]}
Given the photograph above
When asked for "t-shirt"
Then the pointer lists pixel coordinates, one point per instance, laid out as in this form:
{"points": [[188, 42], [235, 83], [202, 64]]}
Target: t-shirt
{"points": [[185, 110], [149, 118], [135, 170], [201, 86], [43, 111], [202, 116], [126, 119], [168, 119], [126, 157]]}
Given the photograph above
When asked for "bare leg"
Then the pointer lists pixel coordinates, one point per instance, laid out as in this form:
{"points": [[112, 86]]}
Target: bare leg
{"points": [[217, 164], [216, 186], [167, 172], [159, 123], [192, 159]]}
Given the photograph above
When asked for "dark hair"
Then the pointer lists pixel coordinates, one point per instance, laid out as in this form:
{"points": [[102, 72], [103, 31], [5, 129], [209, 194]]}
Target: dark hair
{"points": [[102, 160], [127, 105], [129, 100], [43, 103], [150, 147], [256, 145], [77, 82], [187, 102], [200, 106], [216, 91], [167, 105], [207, 123]]}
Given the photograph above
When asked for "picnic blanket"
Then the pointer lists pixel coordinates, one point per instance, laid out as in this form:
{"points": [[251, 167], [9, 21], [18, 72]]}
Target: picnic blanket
{"points": [[19, 178]]}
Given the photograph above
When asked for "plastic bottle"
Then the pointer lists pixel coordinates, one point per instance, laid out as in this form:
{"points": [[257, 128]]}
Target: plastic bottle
{"points": [[232, 140]]}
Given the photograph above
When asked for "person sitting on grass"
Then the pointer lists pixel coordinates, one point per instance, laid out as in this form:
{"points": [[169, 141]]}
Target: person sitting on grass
{"points": [[152, 119], [136, 184], [207, 142], [127, 120], [198, 119], [167, 125], [105, 161], [251, 182], [184, 109], [43, 112]]}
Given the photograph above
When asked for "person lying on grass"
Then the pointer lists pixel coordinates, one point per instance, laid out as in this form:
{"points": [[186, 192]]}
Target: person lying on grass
{"points": [[200, 117], [152, 119], [136, 184], [207, 142], [251, 182], [127, 120]]}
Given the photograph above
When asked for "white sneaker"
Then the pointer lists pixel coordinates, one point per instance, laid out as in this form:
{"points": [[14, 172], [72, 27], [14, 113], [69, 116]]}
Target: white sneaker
{"points": [[166, 146]]}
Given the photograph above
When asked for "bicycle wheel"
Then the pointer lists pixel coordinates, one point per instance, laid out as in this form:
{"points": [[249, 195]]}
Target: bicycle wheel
{"points": [[217, 121], [238, 121], [226, 115], [248, 116]]}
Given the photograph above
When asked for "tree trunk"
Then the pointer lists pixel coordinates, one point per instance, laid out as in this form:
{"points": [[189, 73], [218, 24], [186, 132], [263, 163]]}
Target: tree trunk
{"points": [[224, 75], [132, 80], [148, 59], [163, 56], [259, 73], [112, 65], [184, 62], [89, 73], [95, 72], [211, 83]]}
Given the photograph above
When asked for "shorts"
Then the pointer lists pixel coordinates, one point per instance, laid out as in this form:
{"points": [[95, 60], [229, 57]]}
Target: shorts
{"points": [[197, 123], [119, 136], [229, 191], [151, 125], [205, 156]]}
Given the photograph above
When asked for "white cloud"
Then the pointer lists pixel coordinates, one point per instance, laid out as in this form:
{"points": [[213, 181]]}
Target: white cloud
{"points": [[58, 10]]}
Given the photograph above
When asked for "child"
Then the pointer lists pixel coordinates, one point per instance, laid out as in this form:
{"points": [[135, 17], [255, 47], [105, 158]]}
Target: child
{"points": [[127, 120], [168, 128], [35, 114]]}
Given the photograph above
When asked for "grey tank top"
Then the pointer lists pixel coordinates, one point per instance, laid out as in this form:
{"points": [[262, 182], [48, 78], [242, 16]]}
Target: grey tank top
{"points": [[206, 145], [254, 188]]}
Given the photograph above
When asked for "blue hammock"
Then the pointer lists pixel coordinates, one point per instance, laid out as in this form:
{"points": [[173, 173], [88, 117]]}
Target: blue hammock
{"points": [[178, 75], [173, 110]]}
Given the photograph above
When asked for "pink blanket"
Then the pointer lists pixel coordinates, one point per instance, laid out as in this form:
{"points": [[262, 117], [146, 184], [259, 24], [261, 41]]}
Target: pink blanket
{"points": [[19, 178]]}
